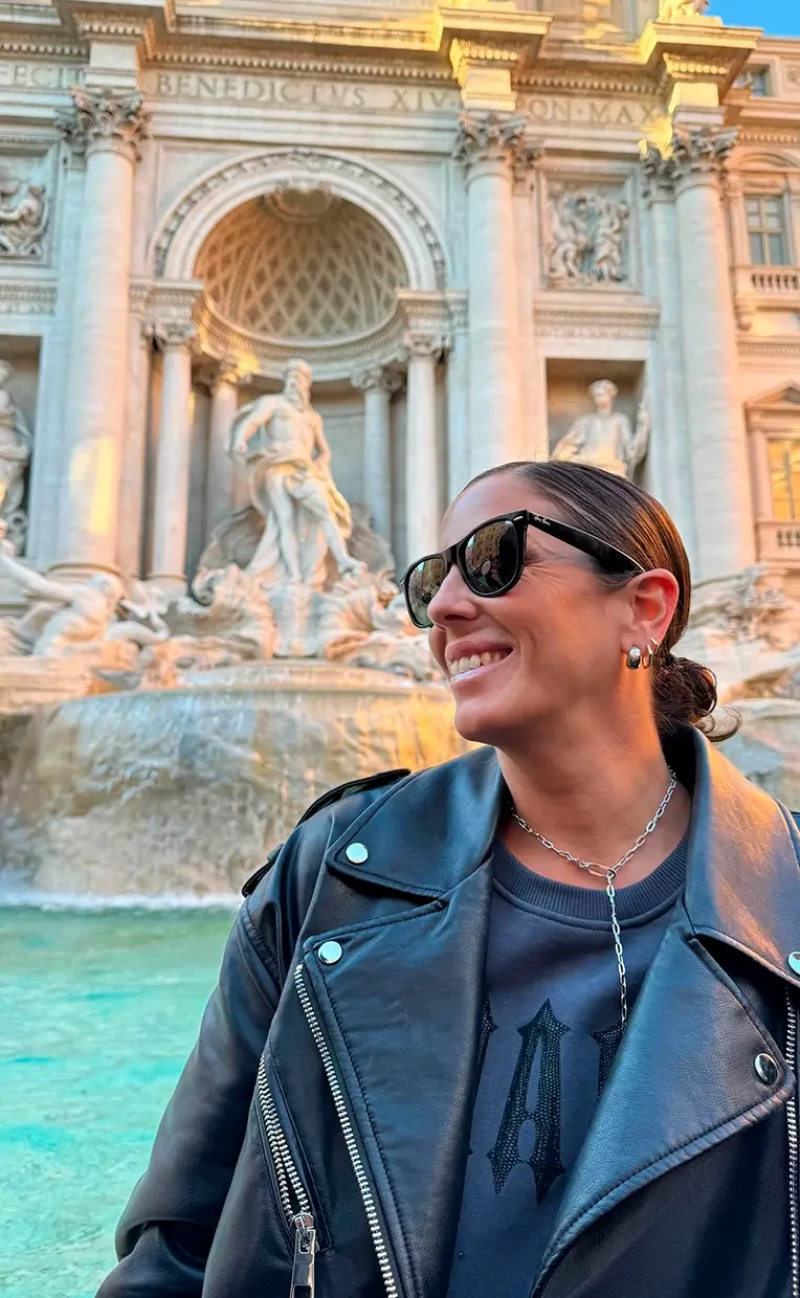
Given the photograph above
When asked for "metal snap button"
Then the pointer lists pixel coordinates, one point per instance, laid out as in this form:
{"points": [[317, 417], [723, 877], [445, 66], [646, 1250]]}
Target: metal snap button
{"points": [[766, 1069], [793, 961], [357, 853], [331, 953]]}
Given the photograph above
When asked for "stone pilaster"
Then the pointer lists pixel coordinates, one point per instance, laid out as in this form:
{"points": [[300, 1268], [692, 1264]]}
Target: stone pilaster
{"points": [[378, 385], [171, 503], [669, 454], [492, 149], [108, 130], [724, 529], [423, 491], [132, 488], [458, 437]]}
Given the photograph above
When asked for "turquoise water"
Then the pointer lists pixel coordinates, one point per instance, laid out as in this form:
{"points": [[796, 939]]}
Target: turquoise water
{"points": [[97, 1014]]}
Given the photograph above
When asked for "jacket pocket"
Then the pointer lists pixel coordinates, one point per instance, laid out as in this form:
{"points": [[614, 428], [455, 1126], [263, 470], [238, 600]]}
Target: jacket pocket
{"points": [[286, 1163]]}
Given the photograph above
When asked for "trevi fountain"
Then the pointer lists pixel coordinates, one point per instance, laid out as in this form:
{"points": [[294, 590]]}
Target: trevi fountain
{"points": [[156, 745]]}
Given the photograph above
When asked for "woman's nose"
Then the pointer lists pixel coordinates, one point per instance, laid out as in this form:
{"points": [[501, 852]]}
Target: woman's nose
{"points": [[453, 599]]}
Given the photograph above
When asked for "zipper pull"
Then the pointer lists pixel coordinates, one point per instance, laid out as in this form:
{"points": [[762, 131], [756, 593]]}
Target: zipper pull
{"points": [[305, 1247]]}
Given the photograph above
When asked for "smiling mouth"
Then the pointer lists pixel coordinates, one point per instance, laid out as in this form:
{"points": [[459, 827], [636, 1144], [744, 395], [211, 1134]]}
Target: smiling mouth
{"points": [[474, 665]]}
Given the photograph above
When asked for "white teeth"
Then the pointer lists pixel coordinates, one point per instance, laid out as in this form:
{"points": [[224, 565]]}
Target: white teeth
{"points": [[470, 664]]}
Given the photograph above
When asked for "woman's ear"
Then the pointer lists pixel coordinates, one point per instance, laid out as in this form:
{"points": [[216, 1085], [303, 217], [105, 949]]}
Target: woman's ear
{"points": [[652, 600]]}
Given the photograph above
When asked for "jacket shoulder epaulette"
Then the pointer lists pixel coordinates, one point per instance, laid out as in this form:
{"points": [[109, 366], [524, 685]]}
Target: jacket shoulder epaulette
{"points": [[326, 799]]}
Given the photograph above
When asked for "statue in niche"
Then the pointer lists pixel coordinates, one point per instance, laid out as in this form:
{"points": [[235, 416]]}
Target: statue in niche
{"points": [[307, 521], [15, 452], [23, 220], [586, 238], [64, 616], [606, 438]]}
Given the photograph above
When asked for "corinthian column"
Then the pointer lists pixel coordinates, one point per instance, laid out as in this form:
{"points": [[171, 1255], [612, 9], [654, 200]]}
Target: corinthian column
{"points": [[108, 129], [171, 505], [423, 503], [378, 385], [724, 530], [490, 146]]}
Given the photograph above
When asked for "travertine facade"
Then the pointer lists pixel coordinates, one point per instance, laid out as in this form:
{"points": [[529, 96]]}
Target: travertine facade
{"points": [[459, 217]]}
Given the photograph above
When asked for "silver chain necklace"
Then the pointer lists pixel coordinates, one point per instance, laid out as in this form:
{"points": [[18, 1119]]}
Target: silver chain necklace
{"points": [[609, 873]]}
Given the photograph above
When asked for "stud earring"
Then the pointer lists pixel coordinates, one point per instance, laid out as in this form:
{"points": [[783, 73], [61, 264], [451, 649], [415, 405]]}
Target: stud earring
{"points": [[633, 657]]}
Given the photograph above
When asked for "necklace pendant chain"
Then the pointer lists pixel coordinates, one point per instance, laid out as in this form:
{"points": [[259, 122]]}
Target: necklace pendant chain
{"points": [[609, 873]]}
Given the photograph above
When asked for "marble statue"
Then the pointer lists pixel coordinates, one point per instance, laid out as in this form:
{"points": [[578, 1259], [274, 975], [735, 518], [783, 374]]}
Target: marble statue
{"points": [[23, 222], [608, 242], [587, 233], [63, 616], [15, 452], [606, 438], [307, 522], [570, 236], [682, 11]]}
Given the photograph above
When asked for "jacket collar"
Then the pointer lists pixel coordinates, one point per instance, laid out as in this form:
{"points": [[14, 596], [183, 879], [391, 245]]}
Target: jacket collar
{"points": [[430, 831]]}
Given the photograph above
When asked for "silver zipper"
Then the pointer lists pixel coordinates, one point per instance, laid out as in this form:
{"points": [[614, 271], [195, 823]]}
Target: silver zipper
{"points": [[298, 1211], [794, 1145], [365, 1190]]}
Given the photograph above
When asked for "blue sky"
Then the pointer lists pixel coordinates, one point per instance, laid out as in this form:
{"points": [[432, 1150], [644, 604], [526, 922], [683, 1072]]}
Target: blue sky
{"points": [[777, 17]]}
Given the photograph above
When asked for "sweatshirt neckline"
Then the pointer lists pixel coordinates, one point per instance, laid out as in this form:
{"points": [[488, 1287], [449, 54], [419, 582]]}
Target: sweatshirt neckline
{"points": [[571, 901]]}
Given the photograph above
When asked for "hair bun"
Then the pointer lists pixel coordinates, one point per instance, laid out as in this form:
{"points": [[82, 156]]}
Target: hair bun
{"points": [[685, 692]]}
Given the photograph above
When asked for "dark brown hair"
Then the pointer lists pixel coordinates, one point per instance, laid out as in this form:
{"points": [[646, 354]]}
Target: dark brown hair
{"points": [[632, 520]]}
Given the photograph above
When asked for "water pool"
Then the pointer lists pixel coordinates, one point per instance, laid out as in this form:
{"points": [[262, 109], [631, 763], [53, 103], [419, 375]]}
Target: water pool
{"points": [[98, 1013]]}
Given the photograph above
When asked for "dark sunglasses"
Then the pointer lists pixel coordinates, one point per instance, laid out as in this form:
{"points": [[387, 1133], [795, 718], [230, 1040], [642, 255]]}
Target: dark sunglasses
{"points": [[491, 560]]}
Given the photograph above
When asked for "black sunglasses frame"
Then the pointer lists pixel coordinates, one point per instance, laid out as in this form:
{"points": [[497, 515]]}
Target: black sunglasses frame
{"points": [[607, 556]]}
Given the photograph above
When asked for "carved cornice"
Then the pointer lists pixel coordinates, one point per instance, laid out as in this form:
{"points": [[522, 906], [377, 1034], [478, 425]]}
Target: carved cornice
{"points": [[494, 140], [769, 348], [769, 135], [699, 154], [102, 120], [185, 55], [583, 319], [464, 53], [419, 342], [104, 26], [573, 79], [39, 49], [290, 32], [20, 297], [683, 67]]}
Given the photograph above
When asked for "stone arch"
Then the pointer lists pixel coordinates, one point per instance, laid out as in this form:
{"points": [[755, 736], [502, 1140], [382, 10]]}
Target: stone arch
{"points": [[761, 161], [183, 229]]}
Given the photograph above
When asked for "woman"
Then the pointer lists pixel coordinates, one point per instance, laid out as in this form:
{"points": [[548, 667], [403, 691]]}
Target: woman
{"points": [[529, 1016]]}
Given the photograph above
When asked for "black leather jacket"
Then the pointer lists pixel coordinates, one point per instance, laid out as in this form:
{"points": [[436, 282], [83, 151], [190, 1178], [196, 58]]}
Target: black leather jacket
{"points": [[360, 1109]]}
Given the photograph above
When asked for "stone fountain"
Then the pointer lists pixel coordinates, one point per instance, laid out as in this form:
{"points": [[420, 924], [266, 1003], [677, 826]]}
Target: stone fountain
{"points": [[157, 744]]}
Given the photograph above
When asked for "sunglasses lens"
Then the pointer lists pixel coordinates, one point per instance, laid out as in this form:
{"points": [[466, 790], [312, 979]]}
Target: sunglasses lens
{"points": [[423, 582], [491, 556]]}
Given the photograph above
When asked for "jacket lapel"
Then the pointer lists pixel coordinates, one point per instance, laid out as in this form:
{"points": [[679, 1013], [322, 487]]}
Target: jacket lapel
{"points": [[402, 1013]]}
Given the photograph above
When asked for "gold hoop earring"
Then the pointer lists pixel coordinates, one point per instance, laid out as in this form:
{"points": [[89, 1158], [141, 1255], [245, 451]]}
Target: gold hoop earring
{"points": [[649, 655], [633, 658]]}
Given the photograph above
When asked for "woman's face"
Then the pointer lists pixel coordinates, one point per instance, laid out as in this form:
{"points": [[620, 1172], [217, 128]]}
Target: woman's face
{"points": [[554, 641]]}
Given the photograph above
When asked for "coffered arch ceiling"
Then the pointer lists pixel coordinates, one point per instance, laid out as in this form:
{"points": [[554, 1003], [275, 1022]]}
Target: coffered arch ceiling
{"points": [[300, 265]]}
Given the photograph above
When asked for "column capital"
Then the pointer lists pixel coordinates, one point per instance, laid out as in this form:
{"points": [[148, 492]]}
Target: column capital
{"points": [[174, 333], [421, 342], [699, 154], [377, 377], [658, 173], [212, 374], [101, 120], [495, 141]]}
